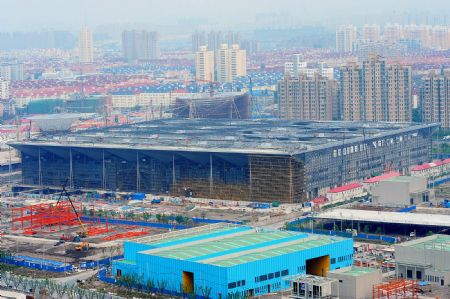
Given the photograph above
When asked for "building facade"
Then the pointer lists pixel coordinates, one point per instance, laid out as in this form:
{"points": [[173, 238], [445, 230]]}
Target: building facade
{"points": [[86, 45], [12, 71], [424, 259], [230, 261], [435, 98], [345, 38], [204, 64], [306, 98], [140, 45], [376, 91], [233, 160], [231, 62], [198, 39], [4, 89]]}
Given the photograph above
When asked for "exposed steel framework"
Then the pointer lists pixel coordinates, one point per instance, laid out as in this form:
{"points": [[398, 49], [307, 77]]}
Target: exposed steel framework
{"points": [[45, 217], [396, 289]]}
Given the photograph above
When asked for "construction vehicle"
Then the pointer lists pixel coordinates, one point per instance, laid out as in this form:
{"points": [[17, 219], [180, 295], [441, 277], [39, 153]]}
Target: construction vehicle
{"points": [[83, 246], [83, 233]]}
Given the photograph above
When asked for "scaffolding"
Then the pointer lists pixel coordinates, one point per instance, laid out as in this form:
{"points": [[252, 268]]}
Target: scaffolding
{"points": [[45, 217], [398, 289]]}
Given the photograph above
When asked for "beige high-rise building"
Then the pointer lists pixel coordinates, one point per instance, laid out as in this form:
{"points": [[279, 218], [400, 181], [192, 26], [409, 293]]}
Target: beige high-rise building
{"points": [[304, 98], [392, 33], [399, 93], [204, 64], [345, 38], [230, 63], [4, 89], [435, 99], [86, 45], [371, 33], [351, 92], [375, 91], [140, 45]]}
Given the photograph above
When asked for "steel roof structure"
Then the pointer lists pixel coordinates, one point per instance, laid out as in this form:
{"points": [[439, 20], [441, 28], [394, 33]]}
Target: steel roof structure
{"points": [[233, 136]]}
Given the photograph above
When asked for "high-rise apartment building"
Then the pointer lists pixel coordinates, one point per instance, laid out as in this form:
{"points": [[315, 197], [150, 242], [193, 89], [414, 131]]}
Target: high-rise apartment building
{"points": [[230, 63], [371, 33], [215, 39], [140, 45], [392, 33], [198, 39], [233, 38], [4, 89], [350, 94], [399, 93], [375, 91], [435, 98], [303, 98], [204, 64], [345, 38], [12, 71], [86, 45]]}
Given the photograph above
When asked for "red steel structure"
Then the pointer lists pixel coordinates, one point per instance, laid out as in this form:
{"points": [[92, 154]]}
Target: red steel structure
{"points": [[45, 217], [396, 289]]}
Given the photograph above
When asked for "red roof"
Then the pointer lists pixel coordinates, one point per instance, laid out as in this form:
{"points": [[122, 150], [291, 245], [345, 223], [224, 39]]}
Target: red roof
{"points": [[382, 177], [345, 188], [425, 166]]}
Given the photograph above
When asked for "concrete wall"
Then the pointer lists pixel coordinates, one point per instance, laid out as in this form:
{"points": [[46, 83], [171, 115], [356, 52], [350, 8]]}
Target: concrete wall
{"points": [[355, 287], [399, 193], [430, 261]]}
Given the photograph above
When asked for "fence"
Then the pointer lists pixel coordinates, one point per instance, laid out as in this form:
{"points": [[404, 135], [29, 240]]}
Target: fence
{"points": [[102, 262], [103, 276], [133, 222], [407, 209], [35, 263], [154, 224]]}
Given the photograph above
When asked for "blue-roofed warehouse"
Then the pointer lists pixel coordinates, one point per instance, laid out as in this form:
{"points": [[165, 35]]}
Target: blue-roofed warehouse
{"points": [[223, 260]]}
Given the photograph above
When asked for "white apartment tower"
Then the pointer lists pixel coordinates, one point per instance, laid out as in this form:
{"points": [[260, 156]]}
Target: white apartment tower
{"points": [[204, 64], [86, 45], [345, 38]]}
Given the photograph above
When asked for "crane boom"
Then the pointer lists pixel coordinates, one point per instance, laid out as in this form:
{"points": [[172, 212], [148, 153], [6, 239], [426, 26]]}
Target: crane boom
{"points": [[64, 192]]}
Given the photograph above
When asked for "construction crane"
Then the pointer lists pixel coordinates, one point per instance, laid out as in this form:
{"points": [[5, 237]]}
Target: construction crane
{"points": [[83, 233]]}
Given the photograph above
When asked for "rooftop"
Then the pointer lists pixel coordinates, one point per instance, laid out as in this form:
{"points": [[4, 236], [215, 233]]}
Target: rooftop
{"points": [[382, 177], [403, 179], [233, 136], [357, 271], [231, 245], [434, 242], [387, 217]]}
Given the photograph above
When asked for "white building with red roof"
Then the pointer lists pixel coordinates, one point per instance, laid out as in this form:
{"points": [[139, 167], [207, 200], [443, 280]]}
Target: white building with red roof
{"points": [[432, 170], [345, 192]]}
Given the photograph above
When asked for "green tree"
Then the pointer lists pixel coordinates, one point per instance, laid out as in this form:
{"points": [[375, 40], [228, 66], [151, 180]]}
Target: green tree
{"points": [[429, 233]]}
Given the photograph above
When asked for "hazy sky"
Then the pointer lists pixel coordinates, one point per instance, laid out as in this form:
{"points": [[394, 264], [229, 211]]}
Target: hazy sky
{"points": [[71, 14]]}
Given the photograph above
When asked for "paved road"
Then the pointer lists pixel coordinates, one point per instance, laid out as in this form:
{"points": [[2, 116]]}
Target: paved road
{"points": [[72, 279]]}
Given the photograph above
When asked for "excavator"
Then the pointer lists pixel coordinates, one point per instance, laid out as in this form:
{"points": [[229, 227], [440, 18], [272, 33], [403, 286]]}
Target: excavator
{"points": [[83, 246]]}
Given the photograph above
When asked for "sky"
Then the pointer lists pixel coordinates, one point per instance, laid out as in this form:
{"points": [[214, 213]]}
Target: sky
{"points": [[33, 15]]}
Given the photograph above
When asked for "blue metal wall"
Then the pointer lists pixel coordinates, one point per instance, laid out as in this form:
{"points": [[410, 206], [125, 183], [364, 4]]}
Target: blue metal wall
{"points": [[217, 278]]}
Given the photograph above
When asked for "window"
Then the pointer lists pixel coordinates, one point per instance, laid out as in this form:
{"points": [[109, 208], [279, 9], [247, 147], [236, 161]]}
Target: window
{"points": [[284, 272], [271, 275], [242, 282], [263, 278], [277, 274], [409, 274], [333, 261], [119, 273], [231, 285]]}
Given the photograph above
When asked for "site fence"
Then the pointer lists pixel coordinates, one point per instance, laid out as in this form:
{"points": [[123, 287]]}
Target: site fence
{"points": [[102, 262], [155, 224], [102, 275], [38, 264], [133, 222], [407, 209]]}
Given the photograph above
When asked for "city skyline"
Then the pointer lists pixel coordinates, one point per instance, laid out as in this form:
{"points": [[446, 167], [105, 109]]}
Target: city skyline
{"points": [[189, 14]]}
